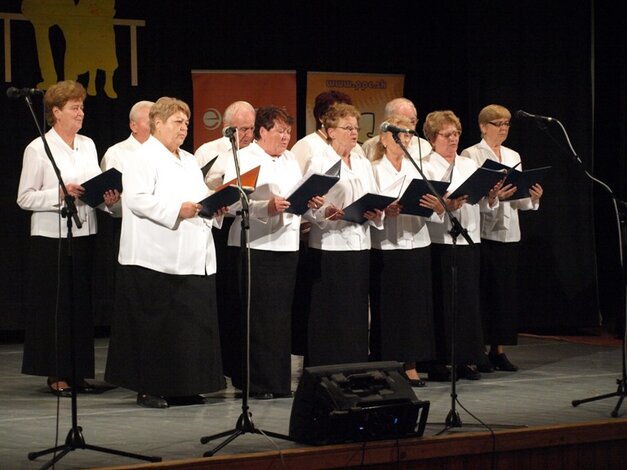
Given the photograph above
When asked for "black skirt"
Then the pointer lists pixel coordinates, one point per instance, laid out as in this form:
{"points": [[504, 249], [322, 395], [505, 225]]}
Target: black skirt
{"points": [[467, 333], [272, 281], [47, 338], [227, 295], [338, 311], [164, 338], [401, 306], [499, 292]]}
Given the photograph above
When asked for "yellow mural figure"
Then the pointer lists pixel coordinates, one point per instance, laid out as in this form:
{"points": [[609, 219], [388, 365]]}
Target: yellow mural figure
{"points": [[44, 14], [87, 27], [90, 43]]}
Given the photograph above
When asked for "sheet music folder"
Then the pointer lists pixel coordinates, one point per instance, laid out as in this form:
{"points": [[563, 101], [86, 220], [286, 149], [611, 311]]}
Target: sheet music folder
{"points": [[312, 184], [205, 169], [98, 185], [523, 180], [228, 194], [368, 202], [410, 200], [478, 184]]}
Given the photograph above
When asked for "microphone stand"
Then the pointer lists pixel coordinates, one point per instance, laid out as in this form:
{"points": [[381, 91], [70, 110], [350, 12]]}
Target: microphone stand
{"points": [[621, 391], [244, 423], [453, 419], [74, 439]]}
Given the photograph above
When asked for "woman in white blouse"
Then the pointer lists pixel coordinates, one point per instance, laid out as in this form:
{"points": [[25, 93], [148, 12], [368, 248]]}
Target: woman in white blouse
{"points": [[338, 260], [273, 241], [164, 340], [400, 271], [47, 338], [500, 237], [442, 129]]}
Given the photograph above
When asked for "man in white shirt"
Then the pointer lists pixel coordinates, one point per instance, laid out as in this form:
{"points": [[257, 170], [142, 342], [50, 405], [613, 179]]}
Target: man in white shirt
{"points": [[418, 147], [138, 121], [241, 115]]}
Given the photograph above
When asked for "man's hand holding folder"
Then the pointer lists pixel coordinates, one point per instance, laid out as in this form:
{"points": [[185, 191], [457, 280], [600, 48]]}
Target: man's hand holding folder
{"points": [[228, 194]]}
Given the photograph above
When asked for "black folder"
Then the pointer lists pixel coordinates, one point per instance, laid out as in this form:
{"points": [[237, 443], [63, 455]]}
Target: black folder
{"points": [[205, 169], [98, 185], [368, 202], [228, 193], [523, 180], [311, 185], [410, 200], [224, 197], [478, 184]]}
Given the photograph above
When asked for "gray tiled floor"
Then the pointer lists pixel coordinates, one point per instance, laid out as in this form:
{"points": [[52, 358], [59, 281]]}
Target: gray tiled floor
{"points": [[553, 373]]}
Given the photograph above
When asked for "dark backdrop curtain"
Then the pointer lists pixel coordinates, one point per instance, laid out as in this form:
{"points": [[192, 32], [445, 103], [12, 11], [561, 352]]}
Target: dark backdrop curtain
{"points": [[532, 55]]}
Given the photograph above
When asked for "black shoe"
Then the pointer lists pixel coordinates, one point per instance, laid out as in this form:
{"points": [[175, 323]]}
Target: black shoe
{"points": [[262, 395], [439, 373], [468, 372], [417, 383], [500, 362], [53, 386], [186, 400], [283, 395], [82, 386], [484, 364], [151, 401]]}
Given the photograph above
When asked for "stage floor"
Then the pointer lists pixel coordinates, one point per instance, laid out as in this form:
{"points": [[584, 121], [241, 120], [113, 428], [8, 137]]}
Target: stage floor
{"points": [[553, 373]]}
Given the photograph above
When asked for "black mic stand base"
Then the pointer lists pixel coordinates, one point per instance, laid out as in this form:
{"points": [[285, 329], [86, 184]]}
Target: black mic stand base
{"points": [[453, 420], [244, 425], [74, 441], [621, 393]]}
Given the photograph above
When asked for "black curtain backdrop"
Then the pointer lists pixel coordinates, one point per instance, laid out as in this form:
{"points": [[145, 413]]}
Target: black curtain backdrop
{"points": [[560, 59]]}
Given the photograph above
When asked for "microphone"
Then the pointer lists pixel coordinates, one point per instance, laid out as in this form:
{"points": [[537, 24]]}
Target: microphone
{"points": [[520, 114], [229, 131], [387, 127], [15, 93]]}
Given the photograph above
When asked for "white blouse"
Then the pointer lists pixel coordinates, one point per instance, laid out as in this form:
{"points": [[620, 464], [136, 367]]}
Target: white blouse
{"points": [[38, 190], [404, 232], [277, 176], [356, 181], [501, 225], [468, 215], [156, 183]]}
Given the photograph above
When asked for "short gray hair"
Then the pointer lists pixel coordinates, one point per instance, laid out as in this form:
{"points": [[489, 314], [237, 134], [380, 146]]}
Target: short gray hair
{"points": [[132, 115], [235, 108]]}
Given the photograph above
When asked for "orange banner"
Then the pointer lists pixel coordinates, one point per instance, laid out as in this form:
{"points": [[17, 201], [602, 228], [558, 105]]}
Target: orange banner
{"points": [[215, 90], [369, 92]]}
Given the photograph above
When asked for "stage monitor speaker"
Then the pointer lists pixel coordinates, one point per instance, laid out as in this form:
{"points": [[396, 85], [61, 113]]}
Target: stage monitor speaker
{"points": [[356, 403]]}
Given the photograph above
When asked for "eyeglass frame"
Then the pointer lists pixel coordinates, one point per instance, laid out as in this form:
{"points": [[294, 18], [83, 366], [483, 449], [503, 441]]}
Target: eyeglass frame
{"points": [[349, 128], [500, 124], [448, 135]]}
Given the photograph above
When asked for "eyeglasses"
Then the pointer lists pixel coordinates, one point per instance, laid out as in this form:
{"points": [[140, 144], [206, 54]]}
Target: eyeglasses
{"points": [[283, 131], [349, 128], [448, 135], [500, 124], [243, 130]]}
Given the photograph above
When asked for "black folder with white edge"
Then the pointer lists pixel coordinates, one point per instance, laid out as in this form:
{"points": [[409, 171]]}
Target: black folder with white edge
{"points": [[228, 194], [523, 180], [312, 184], [207, 166], [478, 185], [371, 201], [410, 200], [98, 185]]}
